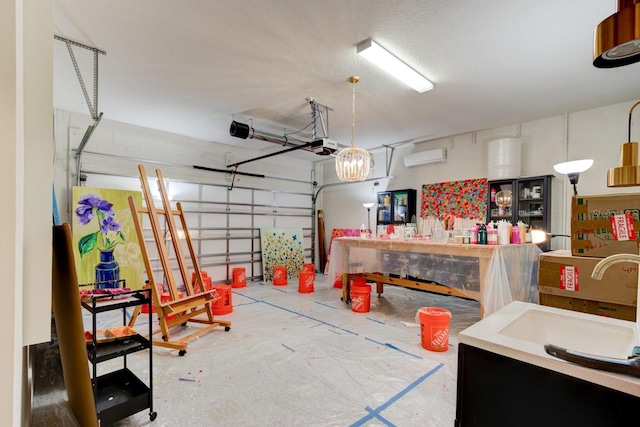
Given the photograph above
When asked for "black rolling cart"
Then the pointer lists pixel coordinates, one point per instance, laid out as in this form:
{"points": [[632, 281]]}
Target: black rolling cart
{"points": [[120, 393]]}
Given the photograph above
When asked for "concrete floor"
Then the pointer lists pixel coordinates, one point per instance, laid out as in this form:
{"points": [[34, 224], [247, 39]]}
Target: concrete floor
{"points": [[290, 359]]}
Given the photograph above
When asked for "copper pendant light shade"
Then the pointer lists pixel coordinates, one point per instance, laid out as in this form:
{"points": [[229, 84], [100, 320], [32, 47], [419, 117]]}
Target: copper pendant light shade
{"points": [[628, 173], [617, 38]]}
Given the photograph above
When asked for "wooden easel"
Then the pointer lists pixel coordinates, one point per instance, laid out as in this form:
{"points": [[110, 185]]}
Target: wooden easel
{"points": [[198, 300]]}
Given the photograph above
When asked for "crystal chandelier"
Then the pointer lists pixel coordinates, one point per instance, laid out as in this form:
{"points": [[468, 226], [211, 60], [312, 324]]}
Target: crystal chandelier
{"points": [[352, 163]]}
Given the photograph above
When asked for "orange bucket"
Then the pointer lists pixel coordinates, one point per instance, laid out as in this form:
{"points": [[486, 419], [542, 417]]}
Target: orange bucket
{"points": [[222, 305], [434, 328], [279, 276], [239, 278], [166, 297], [359, 281], [207, 283], [305, 282], [205, 279], [145, 307], [360, 297], [309, 267]]}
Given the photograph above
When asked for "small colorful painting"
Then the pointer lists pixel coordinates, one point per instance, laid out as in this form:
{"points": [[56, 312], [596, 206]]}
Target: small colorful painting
{"points": [[460, 199], [106, 248], [282, 247]]}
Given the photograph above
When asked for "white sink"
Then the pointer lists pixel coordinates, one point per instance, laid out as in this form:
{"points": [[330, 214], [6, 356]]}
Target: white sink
{"points": [[567, 331], [520, 330]]}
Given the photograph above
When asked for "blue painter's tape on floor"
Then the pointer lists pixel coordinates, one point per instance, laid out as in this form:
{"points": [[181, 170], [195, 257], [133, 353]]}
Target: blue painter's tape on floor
{"points": [[280, 290], [309, 317], [288, 348], [326, 305], [374, 413], [377, 416], [393, 347], [246, 303], [376, 320]]}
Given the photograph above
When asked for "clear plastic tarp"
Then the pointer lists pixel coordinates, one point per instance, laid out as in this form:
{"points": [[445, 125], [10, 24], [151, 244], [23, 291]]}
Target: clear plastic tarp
{"points": [[293, 359], [494, 275]]}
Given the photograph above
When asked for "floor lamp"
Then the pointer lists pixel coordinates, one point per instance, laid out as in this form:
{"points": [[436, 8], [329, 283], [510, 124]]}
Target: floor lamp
{"points": [[368, 206]]}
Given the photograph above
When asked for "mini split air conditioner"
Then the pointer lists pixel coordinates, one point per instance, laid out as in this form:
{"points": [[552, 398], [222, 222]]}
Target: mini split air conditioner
{"points": [[428, 157]]}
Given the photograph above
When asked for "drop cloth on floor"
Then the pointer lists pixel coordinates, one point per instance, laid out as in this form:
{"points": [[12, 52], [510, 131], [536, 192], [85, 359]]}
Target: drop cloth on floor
{"points": [[294, 359]]}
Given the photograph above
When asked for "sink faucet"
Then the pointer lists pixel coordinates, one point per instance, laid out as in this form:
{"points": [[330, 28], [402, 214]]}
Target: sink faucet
{"points": [[601, 267]]}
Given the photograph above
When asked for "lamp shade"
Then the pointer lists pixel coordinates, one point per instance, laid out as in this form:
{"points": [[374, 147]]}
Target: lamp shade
{"points": [[617, 38], [574, 166]]}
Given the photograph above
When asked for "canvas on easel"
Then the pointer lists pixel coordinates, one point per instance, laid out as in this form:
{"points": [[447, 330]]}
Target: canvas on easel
{"points": [[106, 247]]}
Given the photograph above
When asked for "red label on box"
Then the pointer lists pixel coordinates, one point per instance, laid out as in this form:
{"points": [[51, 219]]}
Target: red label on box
{"points": [[569, 280], [622, 227]]}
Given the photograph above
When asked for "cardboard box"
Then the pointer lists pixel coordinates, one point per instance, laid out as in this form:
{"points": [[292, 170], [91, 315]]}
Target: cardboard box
{"points": [[617, 311], [563, 275], [605, 225]]}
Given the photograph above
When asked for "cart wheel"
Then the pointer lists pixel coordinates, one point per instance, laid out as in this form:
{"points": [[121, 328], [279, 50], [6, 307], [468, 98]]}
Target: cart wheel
{"points": [[184, 324], [379, 295], [182, 352], [227, 328], [164, 338], [153, 415]]}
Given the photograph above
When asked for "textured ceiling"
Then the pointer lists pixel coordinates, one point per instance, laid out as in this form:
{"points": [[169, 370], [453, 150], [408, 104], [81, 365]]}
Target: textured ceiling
{"points": [[191, 66]]}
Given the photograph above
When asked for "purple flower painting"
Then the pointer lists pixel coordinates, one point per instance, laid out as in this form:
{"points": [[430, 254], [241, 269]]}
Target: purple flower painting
{"points": [[108, 232]]}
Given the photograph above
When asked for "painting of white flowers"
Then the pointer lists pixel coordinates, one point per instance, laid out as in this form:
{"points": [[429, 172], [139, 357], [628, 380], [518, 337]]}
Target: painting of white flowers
{"points": [[106, 247]]}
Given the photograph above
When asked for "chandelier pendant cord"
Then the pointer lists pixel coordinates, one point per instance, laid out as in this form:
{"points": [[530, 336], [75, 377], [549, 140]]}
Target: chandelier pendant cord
{"points": [[353, 80]]}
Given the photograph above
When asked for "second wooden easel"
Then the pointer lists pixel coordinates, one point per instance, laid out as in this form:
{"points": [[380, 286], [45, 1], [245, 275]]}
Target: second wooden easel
{"points": [[197, 301]]}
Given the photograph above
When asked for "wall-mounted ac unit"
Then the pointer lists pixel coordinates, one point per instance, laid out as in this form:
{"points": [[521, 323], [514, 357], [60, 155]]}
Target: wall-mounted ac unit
{"points": [[428, 157]]}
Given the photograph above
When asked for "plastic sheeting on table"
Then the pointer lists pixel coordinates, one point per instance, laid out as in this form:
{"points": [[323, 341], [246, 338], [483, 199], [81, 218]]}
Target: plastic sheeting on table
{"points": [[494, 275]]}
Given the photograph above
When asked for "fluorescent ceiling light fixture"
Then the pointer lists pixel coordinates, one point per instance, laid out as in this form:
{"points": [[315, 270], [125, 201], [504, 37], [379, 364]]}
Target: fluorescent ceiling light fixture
{"points": [[392, 65]]}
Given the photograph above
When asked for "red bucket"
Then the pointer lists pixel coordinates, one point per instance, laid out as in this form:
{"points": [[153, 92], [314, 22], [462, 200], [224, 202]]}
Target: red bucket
{"points": [[222, 305], [305, 282], [145, 307], [434, 328], [166, 297], [360, 297], [309, 267], [239, 278], [279, 276]]}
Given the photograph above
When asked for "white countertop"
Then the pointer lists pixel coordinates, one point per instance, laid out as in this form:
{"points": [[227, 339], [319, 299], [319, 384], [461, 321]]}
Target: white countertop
{"points": [[505, 332]]}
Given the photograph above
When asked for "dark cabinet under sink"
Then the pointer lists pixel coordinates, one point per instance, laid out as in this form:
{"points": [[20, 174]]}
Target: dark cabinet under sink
{"points": [[494, 390]]}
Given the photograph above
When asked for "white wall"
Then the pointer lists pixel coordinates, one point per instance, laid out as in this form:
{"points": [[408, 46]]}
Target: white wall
{"points": [[26, 93], [596, 134], [130, 145]]}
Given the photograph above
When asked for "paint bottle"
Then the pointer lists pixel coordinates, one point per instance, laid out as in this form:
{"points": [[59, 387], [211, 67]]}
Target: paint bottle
{"points": [[473, 235], [515, 235], [522, 229], [482, 235]]}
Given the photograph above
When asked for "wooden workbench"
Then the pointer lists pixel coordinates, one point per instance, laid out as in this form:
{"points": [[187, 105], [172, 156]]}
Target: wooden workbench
{"points": [[493, 275]]}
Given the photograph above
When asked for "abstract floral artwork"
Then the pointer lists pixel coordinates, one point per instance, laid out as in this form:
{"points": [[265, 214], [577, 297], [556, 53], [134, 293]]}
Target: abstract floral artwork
{"points": [[461, 199], [282, 247], [105, 243]]}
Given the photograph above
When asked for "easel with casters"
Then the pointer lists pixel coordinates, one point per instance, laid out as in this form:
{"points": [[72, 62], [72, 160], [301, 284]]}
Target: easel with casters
{"points": [[197, 300]]}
